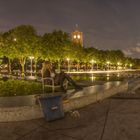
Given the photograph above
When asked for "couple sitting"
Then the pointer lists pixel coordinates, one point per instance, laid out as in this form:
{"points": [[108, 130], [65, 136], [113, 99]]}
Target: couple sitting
{"points": [[49, 71]]}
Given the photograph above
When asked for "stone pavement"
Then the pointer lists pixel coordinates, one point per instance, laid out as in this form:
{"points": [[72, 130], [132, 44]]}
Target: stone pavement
{"points": [[115, 118]]}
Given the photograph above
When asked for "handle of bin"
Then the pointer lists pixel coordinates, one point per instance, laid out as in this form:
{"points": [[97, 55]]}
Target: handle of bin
{"points": [[54, 108]]}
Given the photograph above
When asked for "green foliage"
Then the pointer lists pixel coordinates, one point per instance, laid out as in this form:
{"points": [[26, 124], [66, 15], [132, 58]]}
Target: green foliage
{"points": [[55, 45], [23, 41], [19, 87]]}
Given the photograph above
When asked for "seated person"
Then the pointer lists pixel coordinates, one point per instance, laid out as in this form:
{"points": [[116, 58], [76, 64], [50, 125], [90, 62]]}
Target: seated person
{"points": [[59, 78]]}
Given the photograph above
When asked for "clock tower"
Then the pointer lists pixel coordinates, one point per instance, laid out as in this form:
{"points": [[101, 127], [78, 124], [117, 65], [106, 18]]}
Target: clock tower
{"points": [[77, 37]]}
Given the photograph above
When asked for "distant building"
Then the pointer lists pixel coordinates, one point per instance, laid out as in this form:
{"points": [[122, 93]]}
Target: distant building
{"points": [[77, 37]]}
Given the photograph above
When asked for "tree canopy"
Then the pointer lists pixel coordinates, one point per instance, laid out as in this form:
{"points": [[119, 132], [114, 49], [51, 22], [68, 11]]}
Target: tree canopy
{"points": [[23, 41]]}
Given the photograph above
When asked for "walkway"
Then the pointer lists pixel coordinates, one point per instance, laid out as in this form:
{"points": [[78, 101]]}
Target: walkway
{"points": [[116, 118]]}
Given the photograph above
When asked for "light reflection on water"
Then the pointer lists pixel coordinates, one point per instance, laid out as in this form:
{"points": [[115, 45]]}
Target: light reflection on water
{"points": [[98, 77], [96, 89]]}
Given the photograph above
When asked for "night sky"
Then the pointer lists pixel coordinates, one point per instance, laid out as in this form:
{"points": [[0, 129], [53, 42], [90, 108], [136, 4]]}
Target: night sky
{"points": [[106, 24]]}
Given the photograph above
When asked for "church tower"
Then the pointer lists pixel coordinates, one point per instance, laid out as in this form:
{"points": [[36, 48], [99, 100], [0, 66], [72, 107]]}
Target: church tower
{"points": [[77, 37]]}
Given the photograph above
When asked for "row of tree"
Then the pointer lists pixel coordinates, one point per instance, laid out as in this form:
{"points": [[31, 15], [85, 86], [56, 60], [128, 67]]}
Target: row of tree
{"points": [[23, 41]]}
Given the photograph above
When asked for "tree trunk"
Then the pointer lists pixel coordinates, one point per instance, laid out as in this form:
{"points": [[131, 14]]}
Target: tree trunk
{"points": [[9, 65], [35, 70], [22, 62], [86, 66], [59, 65], [97, 66], [77, 66]]}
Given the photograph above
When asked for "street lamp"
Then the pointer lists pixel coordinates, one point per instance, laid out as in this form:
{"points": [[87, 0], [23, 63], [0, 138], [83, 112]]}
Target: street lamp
{"points": [[118, 67], [108, 63], [15, 39], [92, 62], [68, 64], [118, 63], [130, 66], [31, 58]]}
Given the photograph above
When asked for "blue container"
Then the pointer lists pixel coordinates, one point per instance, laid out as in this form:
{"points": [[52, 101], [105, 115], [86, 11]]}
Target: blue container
{"points": [[52, 107]]}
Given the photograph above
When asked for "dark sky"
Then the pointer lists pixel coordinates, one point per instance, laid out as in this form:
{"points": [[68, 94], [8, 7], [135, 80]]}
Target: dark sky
{"points": [[106, 24]]}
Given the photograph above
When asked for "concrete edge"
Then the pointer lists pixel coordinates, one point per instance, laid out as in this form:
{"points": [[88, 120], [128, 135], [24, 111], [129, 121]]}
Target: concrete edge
{"points": [[10, 114]]}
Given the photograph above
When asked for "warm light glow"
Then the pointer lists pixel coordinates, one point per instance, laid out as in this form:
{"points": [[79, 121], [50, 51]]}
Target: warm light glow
{"points": [[118, 63], [31, 57], [108, 75], [130, 65], [119, 68], [93, 61], [78, 36], [93, 78], [108, 78], [108, 62], [74, 36], [118, 75], [15, 39], [68, 59]]}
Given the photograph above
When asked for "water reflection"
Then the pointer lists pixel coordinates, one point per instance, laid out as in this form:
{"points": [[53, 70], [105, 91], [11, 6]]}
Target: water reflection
{"points": [[118, 75], [98, 77], [93, 78], [96, 89]]}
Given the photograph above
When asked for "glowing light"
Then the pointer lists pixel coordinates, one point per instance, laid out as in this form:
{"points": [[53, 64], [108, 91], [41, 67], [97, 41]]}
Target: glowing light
{"points": [[78, 36], [108, 62], [108, 78], [118, 75], [68, 64], [93, 61], [68, 59], [118, 63], [108, 75], [130, 65], [31, 57], [15, 39], [74, 36], [93, 78]]}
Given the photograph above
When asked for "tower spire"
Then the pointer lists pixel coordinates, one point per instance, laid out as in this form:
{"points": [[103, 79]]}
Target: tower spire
{"points": [[76, 25]]}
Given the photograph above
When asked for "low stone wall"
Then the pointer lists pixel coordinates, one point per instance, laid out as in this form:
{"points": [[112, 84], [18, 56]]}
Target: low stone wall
{"points": [[20, 113], [8, 114], [133, 85], [92, 98]]}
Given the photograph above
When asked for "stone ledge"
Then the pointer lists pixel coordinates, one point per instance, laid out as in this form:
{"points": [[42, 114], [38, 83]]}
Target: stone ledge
{"points": [[8, 114]]}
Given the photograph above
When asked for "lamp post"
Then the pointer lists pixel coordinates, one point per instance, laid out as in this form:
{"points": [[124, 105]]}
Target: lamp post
{"points": [[31, 58], [130, 66], [108, 63], [68, 64], [118, 64], [92, 62], [15, 39]]}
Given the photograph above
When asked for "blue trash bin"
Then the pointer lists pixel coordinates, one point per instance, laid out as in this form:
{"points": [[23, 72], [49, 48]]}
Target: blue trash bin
{"points": [[52, 107]]}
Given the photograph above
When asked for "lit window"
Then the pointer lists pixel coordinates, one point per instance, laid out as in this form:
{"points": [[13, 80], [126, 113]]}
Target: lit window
{"points": [[78, 36], [74, 36]]}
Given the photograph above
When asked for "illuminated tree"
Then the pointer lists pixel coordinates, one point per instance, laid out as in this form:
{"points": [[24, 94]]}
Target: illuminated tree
{"points": [[56, 46], [22, 41]]}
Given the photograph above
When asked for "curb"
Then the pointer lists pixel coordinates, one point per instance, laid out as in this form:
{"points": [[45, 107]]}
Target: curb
{"points": [[22, 113]]}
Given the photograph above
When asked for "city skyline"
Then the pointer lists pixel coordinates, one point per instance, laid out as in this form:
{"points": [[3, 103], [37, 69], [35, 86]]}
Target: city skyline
{"points": [[106, 24]]}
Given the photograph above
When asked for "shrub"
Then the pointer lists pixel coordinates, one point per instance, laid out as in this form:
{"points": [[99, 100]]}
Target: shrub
{"points": [[19, 87]]}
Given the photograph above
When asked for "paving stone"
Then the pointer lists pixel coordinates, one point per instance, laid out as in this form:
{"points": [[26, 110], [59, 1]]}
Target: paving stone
{"points": [[122, 127], [111, 119]]}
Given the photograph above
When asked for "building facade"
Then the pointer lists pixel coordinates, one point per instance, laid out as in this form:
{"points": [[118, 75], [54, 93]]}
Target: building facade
{"points": [[77, 37]]}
